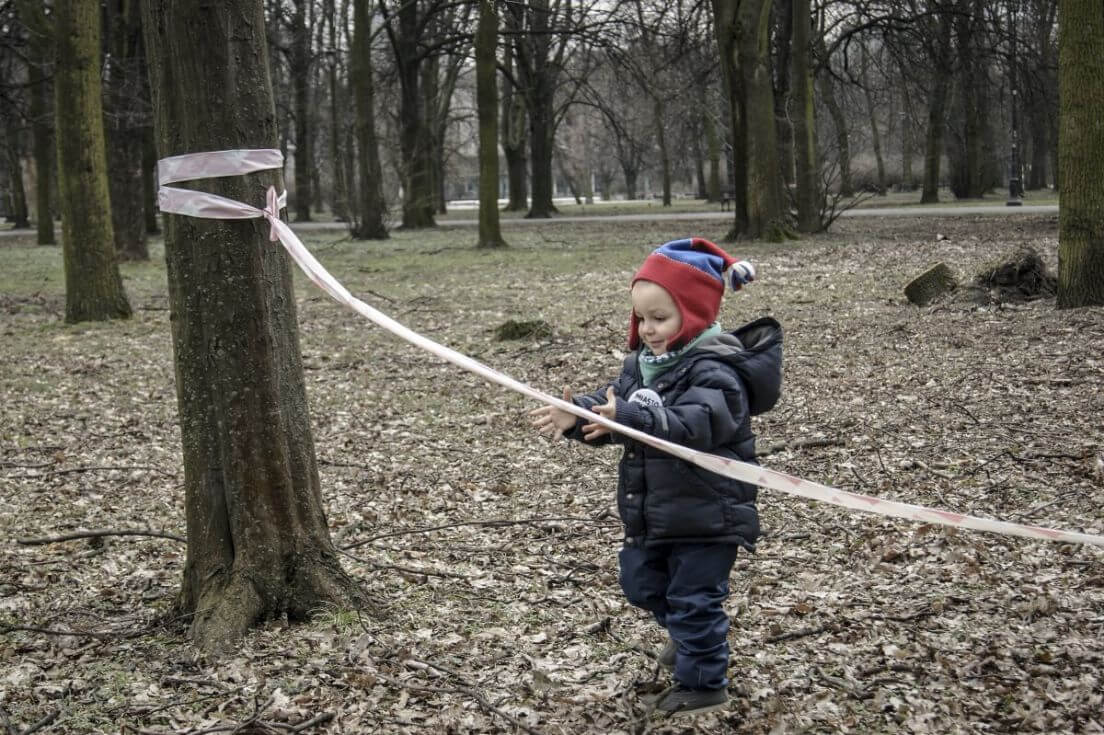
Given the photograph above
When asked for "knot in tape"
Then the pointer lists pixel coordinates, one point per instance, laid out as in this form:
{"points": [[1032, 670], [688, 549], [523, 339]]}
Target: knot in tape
{"points": [[272, 212]]}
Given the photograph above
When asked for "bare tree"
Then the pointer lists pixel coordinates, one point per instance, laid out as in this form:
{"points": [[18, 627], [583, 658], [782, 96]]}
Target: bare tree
{"points": [[40, 42], [126, 117], [741, 27], [486, 41], [258, 545], [93, 286], [806, 162], [370, 221]]}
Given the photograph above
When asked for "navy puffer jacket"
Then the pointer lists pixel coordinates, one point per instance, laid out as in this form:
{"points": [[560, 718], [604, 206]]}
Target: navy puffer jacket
{"points": [[708, 400]]}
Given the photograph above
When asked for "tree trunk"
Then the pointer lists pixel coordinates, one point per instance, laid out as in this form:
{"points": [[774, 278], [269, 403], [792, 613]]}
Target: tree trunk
{"points": [[906, 138], [1041, 102], [258, 545], [725, 31], [299, 71], [540, 159], [664, 154], [967, 163], [435, 128], [125, 99], [762, 194], [18, 213], [486, 41], [513, 138], [783, 87], [40, 36], [1081, 154], [418, 196], [538, 73], [340, 190], [839, 122], [372, 210], [937, 106], [713, 190], [875, 134], [807, 177], [630, 175], [93, 286], [149, 181]]}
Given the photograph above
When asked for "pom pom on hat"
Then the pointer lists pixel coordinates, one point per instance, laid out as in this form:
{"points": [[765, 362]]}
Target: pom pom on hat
{"points": [[694, 271]]}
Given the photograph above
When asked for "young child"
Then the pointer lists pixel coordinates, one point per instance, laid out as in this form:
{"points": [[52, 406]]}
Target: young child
{"points": [[691, 383]]}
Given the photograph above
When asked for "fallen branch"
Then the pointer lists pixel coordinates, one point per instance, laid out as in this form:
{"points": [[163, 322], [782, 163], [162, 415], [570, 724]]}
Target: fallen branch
{"points": [[318, 720], [406, 570], [42, 723], [6, 628], [799, 444], [98, 533], [96, 468], [466, 690], [11, 730]]}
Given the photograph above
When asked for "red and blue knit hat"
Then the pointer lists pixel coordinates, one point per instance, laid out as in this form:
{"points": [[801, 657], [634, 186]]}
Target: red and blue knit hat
{"points": [[694, 271]]}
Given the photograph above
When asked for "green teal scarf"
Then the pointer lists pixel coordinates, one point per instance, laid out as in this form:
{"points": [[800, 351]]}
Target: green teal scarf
{"points": [[651, 367]]}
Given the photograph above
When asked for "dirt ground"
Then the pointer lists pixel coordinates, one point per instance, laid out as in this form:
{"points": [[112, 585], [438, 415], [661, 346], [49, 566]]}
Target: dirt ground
{"points": [[492, 552]]}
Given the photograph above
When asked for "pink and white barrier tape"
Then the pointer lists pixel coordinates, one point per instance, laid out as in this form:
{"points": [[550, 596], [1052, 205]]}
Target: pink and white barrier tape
{"points": [[238, 162]]}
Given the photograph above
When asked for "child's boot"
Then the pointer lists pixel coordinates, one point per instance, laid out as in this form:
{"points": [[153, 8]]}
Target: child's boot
{"points": [[680, 700]]}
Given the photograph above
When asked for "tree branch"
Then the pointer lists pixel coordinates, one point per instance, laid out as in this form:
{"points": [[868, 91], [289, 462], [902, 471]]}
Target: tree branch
{"points": [[98, 533]]}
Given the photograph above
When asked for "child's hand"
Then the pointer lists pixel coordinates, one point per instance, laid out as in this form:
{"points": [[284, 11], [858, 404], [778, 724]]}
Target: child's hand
{"points": [[553, 420], [608, 410]]}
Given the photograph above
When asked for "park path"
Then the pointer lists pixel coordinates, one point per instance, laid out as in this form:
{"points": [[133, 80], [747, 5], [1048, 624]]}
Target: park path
{"points": [[914, 211]]}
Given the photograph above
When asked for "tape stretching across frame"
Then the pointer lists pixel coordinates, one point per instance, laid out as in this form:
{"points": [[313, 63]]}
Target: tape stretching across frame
{"points": [[238, 162]]}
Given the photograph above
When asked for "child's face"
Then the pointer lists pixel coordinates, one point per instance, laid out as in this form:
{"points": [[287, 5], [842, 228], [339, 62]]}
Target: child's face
{"points": [[657, 315]]}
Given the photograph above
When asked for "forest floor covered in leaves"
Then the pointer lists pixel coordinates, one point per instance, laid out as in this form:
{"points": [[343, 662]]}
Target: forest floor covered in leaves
{"points": [[490, 552]]}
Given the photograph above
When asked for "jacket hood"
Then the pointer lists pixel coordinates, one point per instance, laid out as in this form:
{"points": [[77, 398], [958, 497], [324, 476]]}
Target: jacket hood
{"points": [[755, 352]]}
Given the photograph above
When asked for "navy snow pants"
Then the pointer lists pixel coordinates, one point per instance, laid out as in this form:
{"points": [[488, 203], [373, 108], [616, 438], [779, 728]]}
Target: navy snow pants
{"points": [[684, 586]]}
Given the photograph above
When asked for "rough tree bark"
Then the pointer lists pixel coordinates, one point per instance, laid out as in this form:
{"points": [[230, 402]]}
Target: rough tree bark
{"points": [[299, 70], [258, 545], [371, 216], [17, 213], [939, 90], [40, 33], [743, 29], [724, 22], [807, 177], [93, 286], [340, 190], [414, 143], [967, 180], [513, 133], [125, 96], [1081, 154], [486, 41], [539, 65]]}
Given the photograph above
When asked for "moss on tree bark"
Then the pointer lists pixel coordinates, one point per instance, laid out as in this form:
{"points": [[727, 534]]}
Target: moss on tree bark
{"points": [[93, 286], [1081, 154]]}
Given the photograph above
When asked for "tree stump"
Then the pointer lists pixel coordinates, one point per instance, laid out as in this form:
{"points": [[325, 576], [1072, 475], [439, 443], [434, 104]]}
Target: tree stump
{"points": [[930, 285]]}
